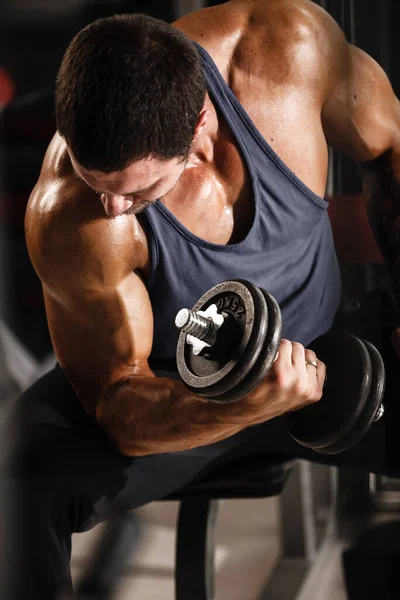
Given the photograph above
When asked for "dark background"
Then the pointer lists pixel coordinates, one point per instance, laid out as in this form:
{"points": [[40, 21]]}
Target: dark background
{"points": [[33, 37]]}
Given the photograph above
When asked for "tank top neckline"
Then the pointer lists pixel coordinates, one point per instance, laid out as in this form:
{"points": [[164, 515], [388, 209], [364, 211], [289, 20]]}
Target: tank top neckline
{"points": [[255, 133], [223, 98], [219, 93]]}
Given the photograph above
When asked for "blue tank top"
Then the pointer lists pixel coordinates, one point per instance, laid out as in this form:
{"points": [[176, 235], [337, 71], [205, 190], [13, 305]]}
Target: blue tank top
{"points": [[288, 251]]}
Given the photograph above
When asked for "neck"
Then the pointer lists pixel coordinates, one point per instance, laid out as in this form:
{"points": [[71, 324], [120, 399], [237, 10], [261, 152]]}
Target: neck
{"points": [[202, 150]]}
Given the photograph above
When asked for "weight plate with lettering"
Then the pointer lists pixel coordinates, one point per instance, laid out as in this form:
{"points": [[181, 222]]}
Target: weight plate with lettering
{"points": [[265, 358], [240, 340]]}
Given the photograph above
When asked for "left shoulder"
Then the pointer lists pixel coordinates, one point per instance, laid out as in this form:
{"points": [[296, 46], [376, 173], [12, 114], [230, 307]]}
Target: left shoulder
{"points": [[216, 23], [287, 41]]}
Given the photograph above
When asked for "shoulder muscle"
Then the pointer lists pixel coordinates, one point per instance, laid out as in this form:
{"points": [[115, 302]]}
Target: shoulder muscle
{"points": [[361, 114], [72, 243]]}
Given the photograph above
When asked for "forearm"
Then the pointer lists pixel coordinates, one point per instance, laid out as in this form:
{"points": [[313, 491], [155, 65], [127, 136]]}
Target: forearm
{"points": [[147, 415], [382, 194]]}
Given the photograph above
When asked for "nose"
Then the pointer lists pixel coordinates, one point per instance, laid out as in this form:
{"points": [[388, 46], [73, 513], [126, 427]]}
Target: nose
{"points": [[115, 205]]}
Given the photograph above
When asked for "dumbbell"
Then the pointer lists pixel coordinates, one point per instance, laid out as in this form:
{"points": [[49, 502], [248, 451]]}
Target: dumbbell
{"points": [[229, 340]]}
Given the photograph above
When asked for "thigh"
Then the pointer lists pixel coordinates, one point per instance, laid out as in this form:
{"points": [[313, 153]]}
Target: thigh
{"points": [[58, 455]]}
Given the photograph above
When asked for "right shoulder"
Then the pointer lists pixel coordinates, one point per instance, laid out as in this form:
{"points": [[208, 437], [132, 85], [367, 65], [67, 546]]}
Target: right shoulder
{"points": [[71, 241]]}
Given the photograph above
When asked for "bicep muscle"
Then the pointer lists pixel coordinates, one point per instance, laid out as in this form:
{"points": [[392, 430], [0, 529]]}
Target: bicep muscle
{"points": [[102, 336]]}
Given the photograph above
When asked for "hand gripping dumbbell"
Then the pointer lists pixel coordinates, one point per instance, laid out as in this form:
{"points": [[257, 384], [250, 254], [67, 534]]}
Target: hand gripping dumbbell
{"points": [[229, 340]]}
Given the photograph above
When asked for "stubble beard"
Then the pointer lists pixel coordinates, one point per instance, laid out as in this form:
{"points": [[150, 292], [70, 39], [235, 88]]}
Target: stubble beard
{"points": [[138, 207]]}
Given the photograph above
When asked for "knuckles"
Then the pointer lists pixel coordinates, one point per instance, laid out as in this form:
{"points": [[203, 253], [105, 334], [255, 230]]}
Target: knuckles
{"points": [[296, 346], [290, 378]]}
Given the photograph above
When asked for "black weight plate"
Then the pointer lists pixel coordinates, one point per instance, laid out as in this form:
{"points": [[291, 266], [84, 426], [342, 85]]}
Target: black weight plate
{"points": [[369, 413], [241, 362], [239, 340], [249, 357], [266, 356], [349, 372]]}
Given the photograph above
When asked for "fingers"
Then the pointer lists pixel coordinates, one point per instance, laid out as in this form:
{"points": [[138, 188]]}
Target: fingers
{"points": [[301, 355], [294, 355], [310, 355], [298, 355], [285, 352], [311, 363], [321, 373], [316, 371]]}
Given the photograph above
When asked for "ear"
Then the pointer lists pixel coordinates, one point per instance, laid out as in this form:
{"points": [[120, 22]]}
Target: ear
{"points": [[201, 121]]}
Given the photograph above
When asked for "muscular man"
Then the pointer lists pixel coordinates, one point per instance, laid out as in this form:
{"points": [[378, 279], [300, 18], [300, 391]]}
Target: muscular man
{"points": [[185, 155]]}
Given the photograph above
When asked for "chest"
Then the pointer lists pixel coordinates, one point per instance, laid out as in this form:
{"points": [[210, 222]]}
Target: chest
{"points": [[216, 202]]}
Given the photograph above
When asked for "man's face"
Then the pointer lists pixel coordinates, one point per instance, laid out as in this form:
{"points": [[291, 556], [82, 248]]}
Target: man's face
{"points": [[135, 188]]}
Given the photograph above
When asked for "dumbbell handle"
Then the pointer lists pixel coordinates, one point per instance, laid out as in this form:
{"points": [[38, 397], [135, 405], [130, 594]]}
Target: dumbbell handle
{"points": [[196, 325]]}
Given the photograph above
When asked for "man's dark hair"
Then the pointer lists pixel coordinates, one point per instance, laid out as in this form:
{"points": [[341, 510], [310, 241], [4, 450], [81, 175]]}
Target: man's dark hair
{"points": [[129, 87]]}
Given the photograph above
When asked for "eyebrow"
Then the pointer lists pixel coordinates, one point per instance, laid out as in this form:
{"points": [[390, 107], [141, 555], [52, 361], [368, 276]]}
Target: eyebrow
{"points": [[143, 190], [128, 194]]}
